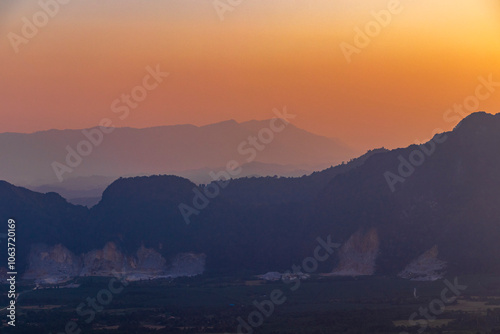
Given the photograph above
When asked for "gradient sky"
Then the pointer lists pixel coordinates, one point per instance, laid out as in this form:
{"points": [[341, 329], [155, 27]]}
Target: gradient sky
{"points": [[265, 54]]}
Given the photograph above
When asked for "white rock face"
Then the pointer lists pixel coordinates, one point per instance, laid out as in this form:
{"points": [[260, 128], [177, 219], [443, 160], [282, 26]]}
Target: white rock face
{"points": [[103, 262], [427, 267], [271, 276], [52, 265], [147, 264], [358, 255]]}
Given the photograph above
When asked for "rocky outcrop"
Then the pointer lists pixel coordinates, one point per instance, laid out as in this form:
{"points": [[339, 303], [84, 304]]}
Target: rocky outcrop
{"points": [[52, 264], [147, 264], [358, 255], [271, 276], [104, 262], [427, 267]]}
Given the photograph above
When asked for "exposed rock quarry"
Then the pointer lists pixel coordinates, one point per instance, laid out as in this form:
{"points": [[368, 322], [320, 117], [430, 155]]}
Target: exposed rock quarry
{"points": [[427, 267], [57, 264], [148, 263], [103, 262], [271, 276], [358, 255], [52, 264]]}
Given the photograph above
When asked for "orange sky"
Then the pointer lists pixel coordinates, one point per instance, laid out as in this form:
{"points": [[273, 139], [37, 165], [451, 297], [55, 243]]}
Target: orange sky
{"points": [[265, 54]]}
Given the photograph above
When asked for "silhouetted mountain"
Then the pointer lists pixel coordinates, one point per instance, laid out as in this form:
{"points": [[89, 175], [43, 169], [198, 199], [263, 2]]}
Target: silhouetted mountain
{"points": [[143, 210], [41, 218], [450, 200], [437, 202], [268, 190]]}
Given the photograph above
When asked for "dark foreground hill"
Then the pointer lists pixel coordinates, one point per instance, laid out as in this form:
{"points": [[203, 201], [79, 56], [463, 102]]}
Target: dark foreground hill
{"points": [[437, 202]]}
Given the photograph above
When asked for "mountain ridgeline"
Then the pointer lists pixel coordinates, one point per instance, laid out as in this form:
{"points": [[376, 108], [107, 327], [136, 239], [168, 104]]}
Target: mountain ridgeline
{"points": [[48, 157], [439, 201]]}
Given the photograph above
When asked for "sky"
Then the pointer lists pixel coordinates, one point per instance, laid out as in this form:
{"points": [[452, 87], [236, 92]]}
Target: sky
{"points": [[264, 54]]}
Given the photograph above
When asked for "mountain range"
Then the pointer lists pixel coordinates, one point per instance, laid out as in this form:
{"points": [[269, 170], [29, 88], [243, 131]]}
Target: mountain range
{"points": [[80, 164], [164, 149], [416, 212]]}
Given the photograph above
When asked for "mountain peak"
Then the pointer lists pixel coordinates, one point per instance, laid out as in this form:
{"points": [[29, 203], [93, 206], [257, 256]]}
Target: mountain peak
{"points": [[478, 119]]}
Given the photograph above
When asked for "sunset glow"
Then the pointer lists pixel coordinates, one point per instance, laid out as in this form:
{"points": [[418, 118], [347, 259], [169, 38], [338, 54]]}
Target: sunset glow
{"points": [[264, 54]]}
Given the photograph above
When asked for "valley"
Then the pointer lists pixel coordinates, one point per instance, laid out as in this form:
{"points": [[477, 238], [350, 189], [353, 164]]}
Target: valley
{"points": [[208, 304]]}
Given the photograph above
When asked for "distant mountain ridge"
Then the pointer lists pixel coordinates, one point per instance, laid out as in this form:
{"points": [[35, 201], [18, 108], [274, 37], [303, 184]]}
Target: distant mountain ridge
{"points": [[159, 150]]}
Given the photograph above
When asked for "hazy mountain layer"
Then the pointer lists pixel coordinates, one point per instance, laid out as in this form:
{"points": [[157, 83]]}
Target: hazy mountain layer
{"points": [[49, 157]]}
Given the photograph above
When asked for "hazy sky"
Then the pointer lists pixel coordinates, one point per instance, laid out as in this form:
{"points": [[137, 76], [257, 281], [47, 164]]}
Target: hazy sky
{"points": [[265, 54]]}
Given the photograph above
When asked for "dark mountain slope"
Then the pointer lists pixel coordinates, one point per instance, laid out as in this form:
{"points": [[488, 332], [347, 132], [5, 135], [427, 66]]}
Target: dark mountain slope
{"points": [[282, 190], [238, 229], [450, 200], [143, 210], [40, 218]]}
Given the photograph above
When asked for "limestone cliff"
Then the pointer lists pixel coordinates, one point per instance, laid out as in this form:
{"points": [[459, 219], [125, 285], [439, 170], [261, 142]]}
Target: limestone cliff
{"points": [[103, 262], [427, 267], [57, 264], [52, 264], [358, 255]]}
